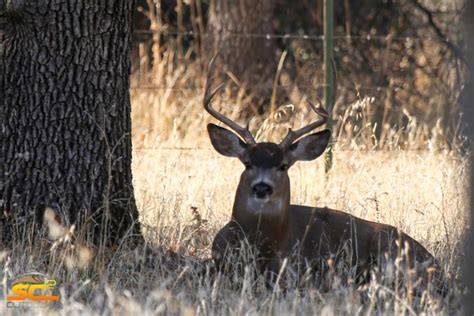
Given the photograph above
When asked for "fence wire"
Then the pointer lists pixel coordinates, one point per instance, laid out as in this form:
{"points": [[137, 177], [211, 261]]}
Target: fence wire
{"points": [[201, 88], [269, 36]]}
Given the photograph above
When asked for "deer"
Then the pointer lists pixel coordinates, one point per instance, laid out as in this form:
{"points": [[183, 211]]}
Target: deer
{"points": [[263, 216]]}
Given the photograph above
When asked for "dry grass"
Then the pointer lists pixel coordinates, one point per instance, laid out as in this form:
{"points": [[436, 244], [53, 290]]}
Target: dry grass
{"points": [[185, 191], [169, 110], [422, 193]]}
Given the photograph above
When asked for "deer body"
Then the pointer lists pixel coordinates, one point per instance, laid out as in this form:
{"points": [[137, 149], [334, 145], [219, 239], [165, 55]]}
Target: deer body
{"points": [[317, 234]]}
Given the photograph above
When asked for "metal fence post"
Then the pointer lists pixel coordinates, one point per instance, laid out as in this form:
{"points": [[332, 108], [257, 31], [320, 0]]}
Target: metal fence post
{"points": [[328, 71]]}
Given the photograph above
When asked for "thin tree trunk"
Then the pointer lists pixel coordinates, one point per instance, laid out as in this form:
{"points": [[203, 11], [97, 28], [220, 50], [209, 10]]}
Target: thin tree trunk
{"points": [[65, 116], [237, 30], [468, 109]]}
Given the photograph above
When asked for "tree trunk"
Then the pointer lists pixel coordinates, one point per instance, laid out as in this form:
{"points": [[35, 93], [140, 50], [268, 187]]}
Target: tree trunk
{"points": [[468, 118], [237, 30], [65, 117]]}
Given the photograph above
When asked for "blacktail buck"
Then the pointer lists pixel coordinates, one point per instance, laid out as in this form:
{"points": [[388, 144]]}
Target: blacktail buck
{"points": [[264, 217]]}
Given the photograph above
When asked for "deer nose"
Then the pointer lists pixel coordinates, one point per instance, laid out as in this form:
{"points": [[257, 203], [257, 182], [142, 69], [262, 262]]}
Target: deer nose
{"points": [[262, 190]]}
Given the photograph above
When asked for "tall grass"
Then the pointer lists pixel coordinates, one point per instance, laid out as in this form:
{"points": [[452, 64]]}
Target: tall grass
{"points": [[185, 197], [169, 109]]}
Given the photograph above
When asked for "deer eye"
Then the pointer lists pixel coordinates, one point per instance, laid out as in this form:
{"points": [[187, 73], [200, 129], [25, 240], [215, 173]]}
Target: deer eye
{"points": [[283, 167], [248, 165]]}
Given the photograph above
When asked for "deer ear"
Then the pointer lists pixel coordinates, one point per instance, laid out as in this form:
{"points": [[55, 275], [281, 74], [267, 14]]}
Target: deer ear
{"points": [[225, 142], [309, 147]]}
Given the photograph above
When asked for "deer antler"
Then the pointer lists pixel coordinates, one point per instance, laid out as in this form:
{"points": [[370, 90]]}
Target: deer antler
{"points": [[294, 135], [208, 95]]}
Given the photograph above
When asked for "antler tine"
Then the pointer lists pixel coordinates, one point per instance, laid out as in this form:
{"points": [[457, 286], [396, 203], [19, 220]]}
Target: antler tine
{"points": [[294, 135], [208, 95]]}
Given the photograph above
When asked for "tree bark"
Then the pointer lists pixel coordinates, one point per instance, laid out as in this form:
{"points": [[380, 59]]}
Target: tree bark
{"points": [[235, 30], [65, 117]]}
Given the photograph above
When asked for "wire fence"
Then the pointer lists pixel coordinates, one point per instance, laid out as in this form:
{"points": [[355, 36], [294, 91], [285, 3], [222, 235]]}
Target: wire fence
{"points": [[361, 150], [315, 86], [268, 36]]}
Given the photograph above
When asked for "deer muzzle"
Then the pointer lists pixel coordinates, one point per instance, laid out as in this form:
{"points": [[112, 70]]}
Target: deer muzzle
{"points": [[262, 190]]}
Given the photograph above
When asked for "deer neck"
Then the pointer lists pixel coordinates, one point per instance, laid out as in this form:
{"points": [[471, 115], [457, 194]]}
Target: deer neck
{"points": [[263, 221]]}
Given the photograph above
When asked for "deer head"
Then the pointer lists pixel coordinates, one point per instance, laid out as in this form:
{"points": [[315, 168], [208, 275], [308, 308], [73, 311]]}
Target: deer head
{"points": [[264, 187]]}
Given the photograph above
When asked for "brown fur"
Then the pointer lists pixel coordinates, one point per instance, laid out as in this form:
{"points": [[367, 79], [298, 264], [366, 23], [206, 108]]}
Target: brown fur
{"points": [[318, 234]]}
